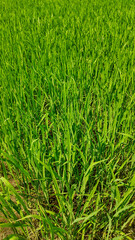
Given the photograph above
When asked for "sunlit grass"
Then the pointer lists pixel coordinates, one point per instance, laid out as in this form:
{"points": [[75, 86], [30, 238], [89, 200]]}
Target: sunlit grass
{"points": [[67, 116]]}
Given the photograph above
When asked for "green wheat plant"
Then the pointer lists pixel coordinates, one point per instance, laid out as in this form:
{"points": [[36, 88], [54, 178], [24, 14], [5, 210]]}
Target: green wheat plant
{"points": [[67, 120]]}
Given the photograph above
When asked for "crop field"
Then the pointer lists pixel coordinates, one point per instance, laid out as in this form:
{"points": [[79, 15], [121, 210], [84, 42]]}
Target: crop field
{"points": [[67, 120]]}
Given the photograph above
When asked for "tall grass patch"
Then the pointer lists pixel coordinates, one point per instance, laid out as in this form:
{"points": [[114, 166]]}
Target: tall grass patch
{"points": [[67, 117]]}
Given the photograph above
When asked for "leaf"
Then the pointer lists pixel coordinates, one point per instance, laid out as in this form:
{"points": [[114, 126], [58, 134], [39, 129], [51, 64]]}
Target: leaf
{"points": [[90, 197], [85, 219], [132, 217], [13, 224], [118, 238], [133, 181], [126, 135], [123, 209], [116, 189], [14, 237], [110, 225], [8, 184], [50, 212]]}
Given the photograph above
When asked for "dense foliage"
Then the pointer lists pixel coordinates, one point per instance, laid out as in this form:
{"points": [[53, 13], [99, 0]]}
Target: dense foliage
{"points": [[67, 116]]}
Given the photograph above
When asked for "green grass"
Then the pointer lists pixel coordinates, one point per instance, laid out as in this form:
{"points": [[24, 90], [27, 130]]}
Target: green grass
{"points": [[67, 117]]}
